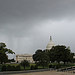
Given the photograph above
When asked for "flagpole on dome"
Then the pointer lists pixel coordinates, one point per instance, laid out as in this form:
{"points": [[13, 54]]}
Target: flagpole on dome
{"points": [[50, 38]]}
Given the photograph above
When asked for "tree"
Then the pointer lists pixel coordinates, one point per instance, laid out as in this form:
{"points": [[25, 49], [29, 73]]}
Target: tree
{"points": [[3, 53], [25, 63], [41, 58], [60, 53], [3, 58]]}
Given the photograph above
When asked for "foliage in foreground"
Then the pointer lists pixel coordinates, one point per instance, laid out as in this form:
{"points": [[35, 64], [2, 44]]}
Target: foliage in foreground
{"points": [[60, 53], [25, 64], [11, 68], [3, 53], [41, 58], [18, 67]]}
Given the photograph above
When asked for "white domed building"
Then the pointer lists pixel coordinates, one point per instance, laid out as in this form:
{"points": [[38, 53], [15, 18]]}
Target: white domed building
{"points": [[50, 44]]}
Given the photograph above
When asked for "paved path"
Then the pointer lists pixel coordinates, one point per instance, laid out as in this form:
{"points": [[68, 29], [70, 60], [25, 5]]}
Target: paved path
{"points": [[46, 73], [26, 71], [43, 73], [37, 72]]}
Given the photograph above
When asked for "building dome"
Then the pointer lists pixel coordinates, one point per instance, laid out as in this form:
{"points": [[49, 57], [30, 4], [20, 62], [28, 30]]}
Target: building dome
{"points": [[50, 44]]}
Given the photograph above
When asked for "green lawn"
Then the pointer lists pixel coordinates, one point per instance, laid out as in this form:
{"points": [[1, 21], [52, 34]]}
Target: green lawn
{"points": [[40, 67]]}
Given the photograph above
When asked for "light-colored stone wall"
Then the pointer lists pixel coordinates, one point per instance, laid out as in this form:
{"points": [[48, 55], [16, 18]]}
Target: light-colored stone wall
{"points": [[21, 57], [74, 56]]}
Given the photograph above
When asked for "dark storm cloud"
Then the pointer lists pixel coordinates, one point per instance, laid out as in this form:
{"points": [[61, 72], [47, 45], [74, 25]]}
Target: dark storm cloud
{"points": [[21, 15], [24, 10], [27, 20]]}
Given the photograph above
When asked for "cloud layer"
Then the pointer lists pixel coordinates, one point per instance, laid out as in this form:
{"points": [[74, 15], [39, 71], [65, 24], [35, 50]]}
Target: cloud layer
{"points": [[25, 25]]}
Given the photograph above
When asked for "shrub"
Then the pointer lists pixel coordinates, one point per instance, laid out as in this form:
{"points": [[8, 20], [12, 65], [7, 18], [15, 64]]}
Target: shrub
{"points": [[36, 67], [17, 68], [50, 66], [8, 68], [32, 67], [12, 68], [0, 67], [4, 68]]}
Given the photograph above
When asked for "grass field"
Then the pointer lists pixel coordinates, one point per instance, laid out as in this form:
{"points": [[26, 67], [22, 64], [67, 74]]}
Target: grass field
{"points": [[40, 67]]}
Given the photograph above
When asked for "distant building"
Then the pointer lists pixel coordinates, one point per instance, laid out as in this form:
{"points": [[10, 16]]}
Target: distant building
{"points": [[50, 44], [74, 56], [21, 57]]}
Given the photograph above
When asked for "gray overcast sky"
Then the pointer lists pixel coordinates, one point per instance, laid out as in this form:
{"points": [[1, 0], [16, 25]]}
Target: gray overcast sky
{"points": [[26, 25]]}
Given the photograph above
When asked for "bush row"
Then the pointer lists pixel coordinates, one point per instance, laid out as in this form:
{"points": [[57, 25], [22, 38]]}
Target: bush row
{"points": [[55, 66], [18, 67], [33, 67], [10, 68]]}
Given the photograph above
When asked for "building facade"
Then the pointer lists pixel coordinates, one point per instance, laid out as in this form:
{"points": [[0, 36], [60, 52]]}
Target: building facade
{"points": [[21, 57]]}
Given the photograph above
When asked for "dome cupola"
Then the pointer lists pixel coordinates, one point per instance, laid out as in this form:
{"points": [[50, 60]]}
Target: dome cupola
{"points": [[50, 44]]}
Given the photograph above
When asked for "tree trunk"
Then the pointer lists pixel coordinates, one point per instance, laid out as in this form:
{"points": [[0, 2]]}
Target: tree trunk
{"points": [[24, 67], [43, 66]]}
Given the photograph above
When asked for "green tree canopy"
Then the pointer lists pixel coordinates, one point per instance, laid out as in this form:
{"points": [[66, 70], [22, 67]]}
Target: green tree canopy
{"points": [[41, 58], [60, 53], [3, 53], [25, 63]]}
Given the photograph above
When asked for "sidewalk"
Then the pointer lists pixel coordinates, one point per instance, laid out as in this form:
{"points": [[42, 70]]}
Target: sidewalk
{"points": [[26, 71]]}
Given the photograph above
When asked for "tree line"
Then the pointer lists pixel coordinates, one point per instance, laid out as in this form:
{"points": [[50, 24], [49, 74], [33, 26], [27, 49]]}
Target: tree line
{"points": [[59, 53]]}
